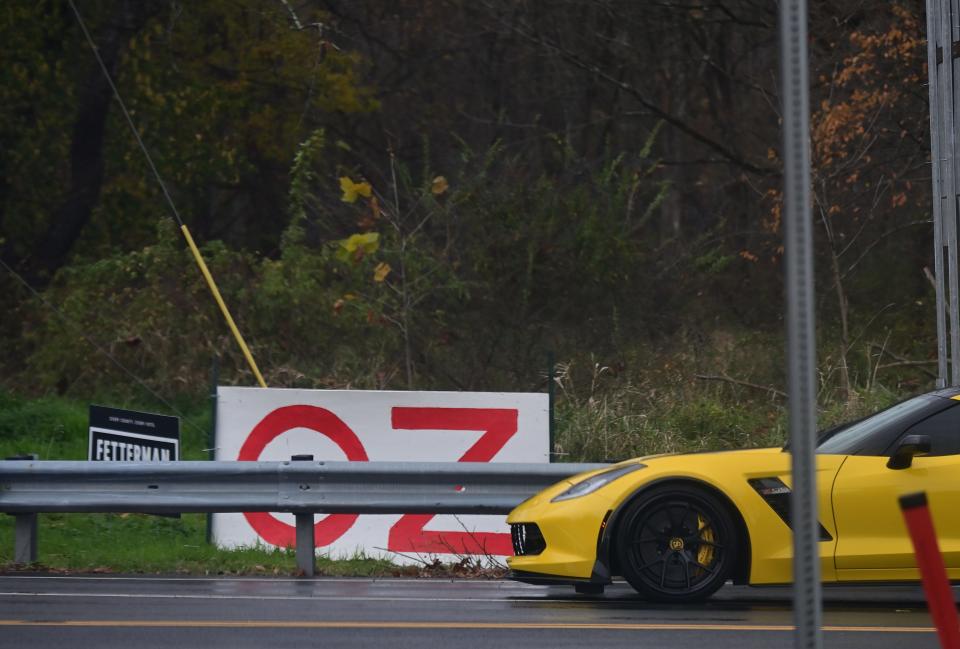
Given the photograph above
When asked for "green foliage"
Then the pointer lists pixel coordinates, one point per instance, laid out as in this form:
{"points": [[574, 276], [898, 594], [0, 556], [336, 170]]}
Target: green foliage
{"points": [[141, 308], [57, 429], [36, 95], [152, 312], [50, 427], [454, 280], [713, 261], [463, 269], [586, 227], [862, 403], [227, 93], [650, 402], [221, 94], [304, 176], [696, 394], [621, 425], [706, 418]]}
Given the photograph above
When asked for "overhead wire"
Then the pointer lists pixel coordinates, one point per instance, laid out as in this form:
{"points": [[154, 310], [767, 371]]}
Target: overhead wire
{"points": [[173, 208], [126, 113]]}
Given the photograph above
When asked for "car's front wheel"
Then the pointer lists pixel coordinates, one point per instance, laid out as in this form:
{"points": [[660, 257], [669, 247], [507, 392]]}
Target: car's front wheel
{"points": [[676, 543]]}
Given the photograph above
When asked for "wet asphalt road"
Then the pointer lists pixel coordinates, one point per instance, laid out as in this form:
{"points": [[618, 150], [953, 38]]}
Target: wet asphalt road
{"points": [[39, 612]]}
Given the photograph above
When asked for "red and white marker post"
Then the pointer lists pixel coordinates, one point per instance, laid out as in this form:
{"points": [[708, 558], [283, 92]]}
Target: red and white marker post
{"points": [[936, 585]]}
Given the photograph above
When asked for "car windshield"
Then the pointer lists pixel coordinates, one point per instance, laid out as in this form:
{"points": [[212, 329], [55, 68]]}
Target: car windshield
{"points": [[848, 438]]}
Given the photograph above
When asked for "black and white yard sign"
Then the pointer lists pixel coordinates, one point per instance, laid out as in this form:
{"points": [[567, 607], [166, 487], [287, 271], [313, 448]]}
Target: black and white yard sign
{"points": [[126, 436]]}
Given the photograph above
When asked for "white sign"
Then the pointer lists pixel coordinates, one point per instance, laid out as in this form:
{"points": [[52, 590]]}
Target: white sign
{"points": [[275, 424]]}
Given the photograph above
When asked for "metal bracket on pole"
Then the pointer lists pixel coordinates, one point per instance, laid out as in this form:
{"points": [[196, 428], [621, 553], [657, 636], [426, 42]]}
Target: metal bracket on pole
{"points": [[306, 550]]}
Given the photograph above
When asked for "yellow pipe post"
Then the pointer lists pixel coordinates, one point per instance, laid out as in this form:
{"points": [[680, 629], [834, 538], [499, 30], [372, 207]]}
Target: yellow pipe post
{"points": [[223, 306]]}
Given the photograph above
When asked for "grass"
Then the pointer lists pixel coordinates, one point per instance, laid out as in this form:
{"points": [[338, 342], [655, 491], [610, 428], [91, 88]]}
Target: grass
{"points": [[621, 425], [604, 417], [141, 543], [666, 403], [56, 428]]}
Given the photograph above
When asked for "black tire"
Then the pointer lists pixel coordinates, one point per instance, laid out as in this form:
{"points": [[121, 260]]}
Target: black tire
{"points": [[676, 543]]}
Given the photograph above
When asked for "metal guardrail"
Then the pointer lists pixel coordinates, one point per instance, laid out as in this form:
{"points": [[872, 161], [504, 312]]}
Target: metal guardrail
{"points": [[301, 487]]}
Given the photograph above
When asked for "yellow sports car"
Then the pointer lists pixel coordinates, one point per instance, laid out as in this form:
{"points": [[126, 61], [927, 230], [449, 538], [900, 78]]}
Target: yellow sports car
{"points": [[677, 527]]}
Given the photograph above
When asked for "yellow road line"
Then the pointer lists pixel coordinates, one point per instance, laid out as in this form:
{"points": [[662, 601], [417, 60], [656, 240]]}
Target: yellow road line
{"points": [[306, 624]]}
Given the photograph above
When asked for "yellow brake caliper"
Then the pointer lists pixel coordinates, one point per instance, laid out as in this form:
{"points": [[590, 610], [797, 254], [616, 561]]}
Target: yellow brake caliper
{"points": [[706, 550]]}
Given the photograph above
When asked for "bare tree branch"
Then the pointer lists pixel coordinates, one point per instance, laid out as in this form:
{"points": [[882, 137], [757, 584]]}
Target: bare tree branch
{"points": [[634, 92]]}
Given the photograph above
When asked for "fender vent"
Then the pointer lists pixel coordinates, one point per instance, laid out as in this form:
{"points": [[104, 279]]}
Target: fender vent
{"points": [[777, 495]]}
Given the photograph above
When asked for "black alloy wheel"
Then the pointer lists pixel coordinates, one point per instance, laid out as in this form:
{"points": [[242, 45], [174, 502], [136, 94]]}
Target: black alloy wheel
{"points": [[676, 543]]}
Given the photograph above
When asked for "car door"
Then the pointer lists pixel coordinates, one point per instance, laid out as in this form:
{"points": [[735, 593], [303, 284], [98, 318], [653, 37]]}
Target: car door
{"points": [[872, 539]]}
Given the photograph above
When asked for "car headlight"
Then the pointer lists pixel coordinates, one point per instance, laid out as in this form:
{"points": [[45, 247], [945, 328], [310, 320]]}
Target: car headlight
{"points": [[594, 482]]}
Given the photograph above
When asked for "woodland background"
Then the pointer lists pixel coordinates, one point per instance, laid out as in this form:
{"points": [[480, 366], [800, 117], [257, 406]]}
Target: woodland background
{"points": [[446, 194]]}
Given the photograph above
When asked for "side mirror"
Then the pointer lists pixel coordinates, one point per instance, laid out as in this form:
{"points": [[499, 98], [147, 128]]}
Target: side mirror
{"points": [[909, 446]]}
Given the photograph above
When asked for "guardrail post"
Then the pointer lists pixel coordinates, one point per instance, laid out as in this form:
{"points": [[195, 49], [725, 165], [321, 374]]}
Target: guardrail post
{"points": [[25, 528], [25, 538], [306, 551]]}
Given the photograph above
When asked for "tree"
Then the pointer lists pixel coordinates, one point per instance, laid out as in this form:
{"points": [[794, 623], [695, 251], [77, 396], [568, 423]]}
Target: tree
{"points": [[221, 94], [869, 130]]}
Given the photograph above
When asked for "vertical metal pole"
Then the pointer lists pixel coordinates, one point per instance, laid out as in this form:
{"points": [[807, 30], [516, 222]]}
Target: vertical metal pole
{"points": [[801, 353], [212, 433], [306, 550], [946, 18], [551, 400], [936, 171]]}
